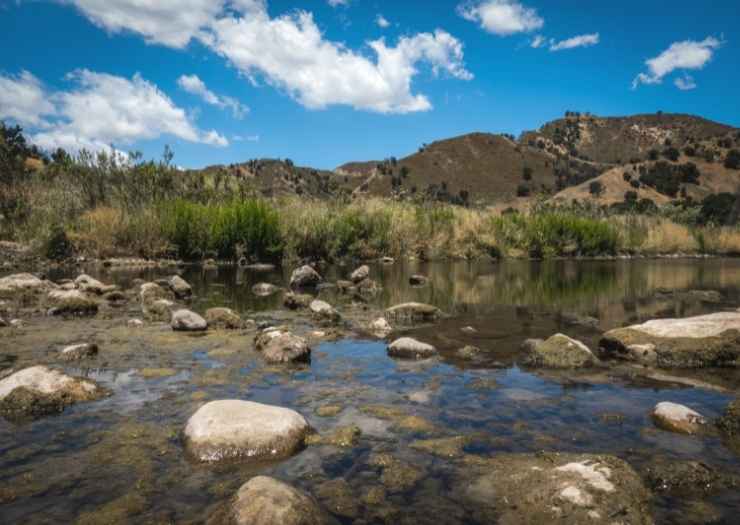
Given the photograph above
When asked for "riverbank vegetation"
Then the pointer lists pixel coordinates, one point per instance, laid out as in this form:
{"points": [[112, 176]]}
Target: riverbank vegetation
{"points": [[104, 206]]}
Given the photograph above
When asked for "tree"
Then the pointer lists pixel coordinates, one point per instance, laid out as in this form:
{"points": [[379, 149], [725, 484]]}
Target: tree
{"points": [[719, 209], [522, 190], [527, 173], [596, 188], [732, 161]]}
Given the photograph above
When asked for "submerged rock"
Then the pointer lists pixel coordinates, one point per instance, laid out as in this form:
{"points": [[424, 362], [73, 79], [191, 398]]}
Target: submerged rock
{"points": [[78, 352], [413, 313], [264, 289], [563, 488], [225, 318], [408, 348], [243, 430], [187, 321], [397, 475], [729, 423], [39, 390], [678, 418], [324, 311], [341, 437], [703, 341], [180, 287], [278, 346], [381, 327], [468, 352], [297, 301], [586, 321], [338, 497], [445, 447], [267, 501], [685, 477], [360, 274], [558, 351], [304, 277]]}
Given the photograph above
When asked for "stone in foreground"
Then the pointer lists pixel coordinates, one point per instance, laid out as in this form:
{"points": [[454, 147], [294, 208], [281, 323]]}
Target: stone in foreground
{"points": [[278, 346], [678, 418], [304, 277], [413, 313], [559, 488], [78, 352], [558, 351], [408, 348], [39, 390], [187, 321], [244, 430], [705, 341], [267, 501]]}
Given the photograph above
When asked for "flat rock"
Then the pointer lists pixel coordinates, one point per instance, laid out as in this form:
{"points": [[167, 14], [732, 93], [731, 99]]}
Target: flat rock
{"points": [[39, 390], [23, 282], [266, 501], [224, 318], [304, 277], [408, 348], [678, 418], [244, 430], [72, 302], [89, 285], [413, 313], [264, 289], [559, 488], [187, 321], [558, 351], [78, 352], [279, 346], [705, 341]]}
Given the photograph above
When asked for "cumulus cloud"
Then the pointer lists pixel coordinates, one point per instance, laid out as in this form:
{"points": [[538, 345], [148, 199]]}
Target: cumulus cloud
{"points": [[23, 100], [576, 41], [685, 83], [382, 21], [291, 53], [502, 17], [99, 110], [195, 86], [688, 54]]}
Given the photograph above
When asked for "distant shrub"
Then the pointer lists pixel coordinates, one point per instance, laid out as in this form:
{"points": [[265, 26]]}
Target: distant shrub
{"points": [[653, 154], [630, 196], [719, 209], [527, 173], [635, 183], [671, 154], [667, 178], [522, 190], [732, 161], [627, 177], [596, 188]]}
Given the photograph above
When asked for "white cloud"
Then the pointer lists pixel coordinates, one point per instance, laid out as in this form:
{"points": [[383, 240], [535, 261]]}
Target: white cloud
{"points": [[382, 21], [576, 41], [248, 138], [22, 99], [502, 17], [537, 42], [335, 3], [291, 53], [685, 83], [194, 85], [684, 55], [99, 110]]}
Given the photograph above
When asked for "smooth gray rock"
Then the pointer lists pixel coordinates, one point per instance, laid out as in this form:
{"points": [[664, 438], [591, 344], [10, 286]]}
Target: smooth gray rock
{"points": [[304, 277], [187, 321], [279, 346], [360, 274], [408, 348]]}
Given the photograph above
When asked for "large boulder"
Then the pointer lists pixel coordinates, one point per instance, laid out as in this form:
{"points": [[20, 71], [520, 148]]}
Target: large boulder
{"points": [[279, 346], [558, 351], [244, 430], [180, 287], [225, 318], [576, 489], [267, 501], [678, 418], [360, 274], [89, 285], [72, 302], [187, 321], [408, 348], [304, 277], [324, 311], [412, 313], [694, 342], [23, 282], [39, 390]]}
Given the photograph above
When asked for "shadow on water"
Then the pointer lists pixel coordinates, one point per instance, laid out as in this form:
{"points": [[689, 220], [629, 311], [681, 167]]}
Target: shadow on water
{"points": [[121, 460]]}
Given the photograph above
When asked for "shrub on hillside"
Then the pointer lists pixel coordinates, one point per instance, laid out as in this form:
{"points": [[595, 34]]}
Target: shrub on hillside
{"points": [[596, 188], [719, 209], [732, 161]]}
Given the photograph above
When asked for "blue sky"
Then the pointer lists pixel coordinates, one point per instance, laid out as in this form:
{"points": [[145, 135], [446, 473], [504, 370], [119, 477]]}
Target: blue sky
{"points": [[94, 72]]}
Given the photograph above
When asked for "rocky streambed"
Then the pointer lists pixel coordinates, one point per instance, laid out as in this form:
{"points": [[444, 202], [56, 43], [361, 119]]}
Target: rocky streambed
{"points": [[389, 393]]}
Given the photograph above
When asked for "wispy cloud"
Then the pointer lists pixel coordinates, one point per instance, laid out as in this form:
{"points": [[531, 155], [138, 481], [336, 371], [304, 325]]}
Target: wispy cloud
{"points": [[382, 21], [194, 85], [686, 55], [576, 41]]}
